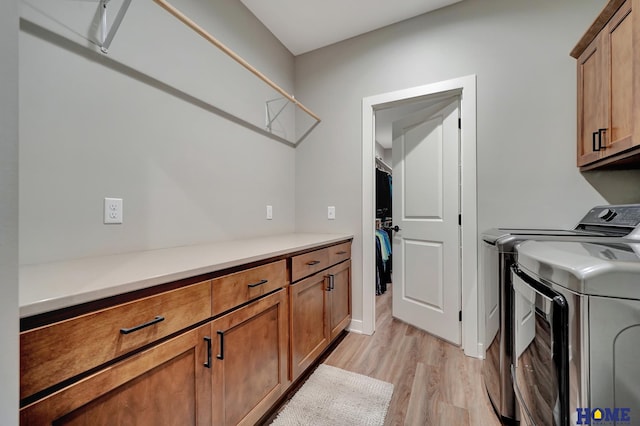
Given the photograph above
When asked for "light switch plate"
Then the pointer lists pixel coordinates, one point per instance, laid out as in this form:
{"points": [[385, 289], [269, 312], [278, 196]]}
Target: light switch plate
{"points": [[331, 213], [112, 210], [269, 212]]}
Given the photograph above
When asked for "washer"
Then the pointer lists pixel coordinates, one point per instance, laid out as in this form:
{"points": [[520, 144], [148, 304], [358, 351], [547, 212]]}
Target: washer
{"points": [[601, 222], [577, 332]]}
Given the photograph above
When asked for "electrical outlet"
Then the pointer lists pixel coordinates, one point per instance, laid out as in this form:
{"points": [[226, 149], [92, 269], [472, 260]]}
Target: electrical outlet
{"points": [[331, 213], [269, 212], [113, 210]]}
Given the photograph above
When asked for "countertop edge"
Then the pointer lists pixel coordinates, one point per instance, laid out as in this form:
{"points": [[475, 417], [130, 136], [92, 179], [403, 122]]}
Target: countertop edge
{"points": [[65, 292]]}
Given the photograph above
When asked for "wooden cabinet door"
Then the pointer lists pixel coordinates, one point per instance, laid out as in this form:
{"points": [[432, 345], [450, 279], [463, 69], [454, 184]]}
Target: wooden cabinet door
{"points": [[339, 292], [591, 102], [250, 361], [309, 327], [167, 384], [619, 76]]}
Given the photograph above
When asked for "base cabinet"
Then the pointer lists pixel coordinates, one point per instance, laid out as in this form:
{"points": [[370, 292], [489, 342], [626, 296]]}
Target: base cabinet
{"points": [[250, 361], [309, 328], [320, 311], [165, 385], [220, 352], [339, 294]]}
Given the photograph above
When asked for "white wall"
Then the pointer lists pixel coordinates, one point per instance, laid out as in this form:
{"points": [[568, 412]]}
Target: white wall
{"points": [[9, 327], [387, 156], [384, 154], [140, 124], [526, 106]]}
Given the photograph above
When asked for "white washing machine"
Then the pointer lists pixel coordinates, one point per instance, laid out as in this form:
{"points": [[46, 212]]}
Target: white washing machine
{"points": [[577, 332]]}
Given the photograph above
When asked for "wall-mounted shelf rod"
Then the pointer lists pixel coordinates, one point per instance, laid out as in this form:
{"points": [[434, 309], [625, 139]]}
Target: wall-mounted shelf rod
{"points": [[198, 29]]}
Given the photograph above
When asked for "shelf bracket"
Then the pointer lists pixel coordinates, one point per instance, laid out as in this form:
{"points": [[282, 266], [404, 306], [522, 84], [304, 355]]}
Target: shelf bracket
{"points": [[268, 111], [108, 35]]}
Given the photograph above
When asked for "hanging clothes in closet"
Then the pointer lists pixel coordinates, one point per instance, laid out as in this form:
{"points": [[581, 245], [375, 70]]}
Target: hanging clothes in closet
{"points": [[384, 221], [383, 260], [383, 194]]}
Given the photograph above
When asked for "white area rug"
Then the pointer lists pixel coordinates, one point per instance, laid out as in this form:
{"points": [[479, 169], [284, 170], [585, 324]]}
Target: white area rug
{"points": [[335, 397]]}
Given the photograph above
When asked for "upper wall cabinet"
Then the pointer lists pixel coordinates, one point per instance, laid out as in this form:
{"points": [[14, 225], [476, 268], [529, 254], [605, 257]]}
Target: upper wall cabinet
{"points": [[608, 59]]}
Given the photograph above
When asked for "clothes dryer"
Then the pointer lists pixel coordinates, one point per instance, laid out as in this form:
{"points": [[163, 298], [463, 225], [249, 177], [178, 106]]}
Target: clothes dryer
{"points": [[499, 255], [577, 332]]}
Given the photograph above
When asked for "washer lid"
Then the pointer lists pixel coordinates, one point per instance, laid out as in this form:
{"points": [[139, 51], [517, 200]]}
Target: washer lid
{"points": [[494, 235], [611, 269]]}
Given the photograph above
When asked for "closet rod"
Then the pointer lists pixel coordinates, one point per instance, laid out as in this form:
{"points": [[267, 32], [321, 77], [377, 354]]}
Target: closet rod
{"points": [[198, 29], [382, 164]]}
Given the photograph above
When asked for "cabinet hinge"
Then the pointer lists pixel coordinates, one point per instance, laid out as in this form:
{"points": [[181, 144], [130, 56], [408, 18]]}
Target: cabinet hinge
{"points": [[460, 316], [459, 123], [460, 220]]}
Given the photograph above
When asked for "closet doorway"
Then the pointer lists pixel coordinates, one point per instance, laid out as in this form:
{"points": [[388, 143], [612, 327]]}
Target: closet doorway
{"points": [[432, 262]]}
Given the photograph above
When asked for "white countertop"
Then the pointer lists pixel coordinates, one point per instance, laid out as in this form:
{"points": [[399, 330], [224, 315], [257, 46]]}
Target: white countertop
{"points": [[50, 286]]}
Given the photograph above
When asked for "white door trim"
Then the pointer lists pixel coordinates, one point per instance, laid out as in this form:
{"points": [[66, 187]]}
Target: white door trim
{"points": [[468, 202]]}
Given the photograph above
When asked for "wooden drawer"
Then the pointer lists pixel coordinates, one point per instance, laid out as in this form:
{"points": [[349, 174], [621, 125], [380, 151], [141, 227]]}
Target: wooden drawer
{"points": [[339, 253], [307, 264], [235, 289], [56, 352], [166, 384]]}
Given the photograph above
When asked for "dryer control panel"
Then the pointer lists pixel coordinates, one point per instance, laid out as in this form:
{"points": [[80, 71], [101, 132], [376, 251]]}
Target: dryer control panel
{"points": [[625, 216]]}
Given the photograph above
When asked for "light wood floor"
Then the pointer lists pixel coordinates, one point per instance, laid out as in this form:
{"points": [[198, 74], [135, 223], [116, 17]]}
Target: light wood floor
{"points": [[434, 382]]}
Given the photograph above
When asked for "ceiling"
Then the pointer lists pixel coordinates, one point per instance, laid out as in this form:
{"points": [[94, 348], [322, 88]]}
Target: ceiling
{"points": [[385, 118], [303, 26]]}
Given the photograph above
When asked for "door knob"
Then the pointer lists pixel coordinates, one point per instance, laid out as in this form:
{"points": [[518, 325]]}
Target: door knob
{"points": [[396, 228]]}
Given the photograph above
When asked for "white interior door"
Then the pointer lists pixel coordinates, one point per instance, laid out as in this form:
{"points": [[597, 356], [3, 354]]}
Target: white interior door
{"points": [[426, 199]]}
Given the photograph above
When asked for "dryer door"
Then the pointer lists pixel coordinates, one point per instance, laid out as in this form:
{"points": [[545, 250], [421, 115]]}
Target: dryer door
{"points": [[540, 370]]}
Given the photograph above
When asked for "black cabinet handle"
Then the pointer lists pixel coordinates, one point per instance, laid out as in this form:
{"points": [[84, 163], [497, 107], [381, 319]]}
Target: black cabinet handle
{"points": [[342, 252], [595, 147], [600, 132], [330, 285], [598, 146], [208, 362], [141, 326], [258, 283], [220, 356], [313, 262]]}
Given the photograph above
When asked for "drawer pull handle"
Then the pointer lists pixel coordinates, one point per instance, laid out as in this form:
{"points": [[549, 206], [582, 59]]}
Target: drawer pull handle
{"points": [[313, 262], [342, 252], [258, 283], [208, 362], [141, 326], [220, 356]]}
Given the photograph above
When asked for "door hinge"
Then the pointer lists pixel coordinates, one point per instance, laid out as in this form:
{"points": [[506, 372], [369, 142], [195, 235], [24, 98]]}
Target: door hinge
{"points": [[460, 220], [459, 123], [460, 316]]}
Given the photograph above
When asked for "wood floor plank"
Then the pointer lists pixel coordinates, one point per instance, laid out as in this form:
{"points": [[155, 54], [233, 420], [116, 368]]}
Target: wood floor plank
{"points": [[418, 406], [434, 382]]}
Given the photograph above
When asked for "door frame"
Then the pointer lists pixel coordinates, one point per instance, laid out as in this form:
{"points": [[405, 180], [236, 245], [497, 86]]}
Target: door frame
{"points": [[468, 201]]}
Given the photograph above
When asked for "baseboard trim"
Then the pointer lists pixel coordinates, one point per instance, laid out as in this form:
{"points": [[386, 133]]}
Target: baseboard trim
{"points": [[356, 326]]}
